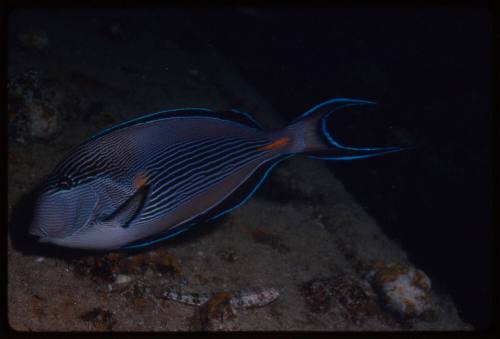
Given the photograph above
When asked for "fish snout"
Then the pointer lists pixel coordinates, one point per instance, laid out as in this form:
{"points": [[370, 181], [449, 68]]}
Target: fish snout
{"points": [[38, 231], [61, 215]]}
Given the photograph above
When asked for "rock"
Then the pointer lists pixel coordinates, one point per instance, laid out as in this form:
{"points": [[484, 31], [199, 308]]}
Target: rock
{"points": [[317, 295], [403, 289], [33, 108], [356, 297], [353, 296], [43, 120]]}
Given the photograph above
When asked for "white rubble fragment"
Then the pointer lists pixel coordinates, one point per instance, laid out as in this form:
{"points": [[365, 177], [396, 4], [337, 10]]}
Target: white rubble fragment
{"points": [[123, 279], [404, 289]]}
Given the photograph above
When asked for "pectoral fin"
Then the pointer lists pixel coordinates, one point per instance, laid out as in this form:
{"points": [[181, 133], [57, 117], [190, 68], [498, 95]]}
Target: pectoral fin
{"points": [[125, 213]]}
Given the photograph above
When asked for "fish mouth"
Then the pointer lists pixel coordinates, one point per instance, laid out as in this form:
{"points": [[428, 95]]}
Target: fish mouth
{"points": [[40, 235], [38, 232]]}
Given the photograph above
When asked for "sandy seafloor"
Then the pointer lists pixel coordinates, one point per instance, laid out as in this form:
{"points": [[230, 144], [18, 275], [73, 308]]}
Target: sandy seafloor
{"points": [[301, 225]]}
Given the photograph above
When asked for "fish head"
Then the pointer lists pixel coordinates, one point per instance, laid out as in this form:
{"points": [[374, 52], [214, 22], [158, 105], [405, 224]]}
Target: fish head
{"points": [[63, 207], [76, 214]]}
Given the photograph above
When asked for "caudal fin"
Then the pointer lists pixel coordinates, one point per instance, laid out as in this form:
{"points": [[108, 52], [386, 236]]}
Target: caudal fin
{"points": [[314, 139]]}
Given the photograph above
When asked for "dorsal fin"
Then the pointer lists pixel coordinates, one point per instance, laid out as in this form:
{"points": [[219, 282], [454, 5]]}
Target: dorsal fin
{"points": [[246, 118], [232, 115]]}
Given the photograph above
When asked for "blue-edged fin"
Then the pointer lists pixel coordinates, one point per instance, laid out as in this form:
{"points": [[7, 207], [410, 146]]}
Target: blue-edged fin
{"points": [[149, 241], [246, 118], [233, 115], [125, 213], [246, 190], [317, 137]]}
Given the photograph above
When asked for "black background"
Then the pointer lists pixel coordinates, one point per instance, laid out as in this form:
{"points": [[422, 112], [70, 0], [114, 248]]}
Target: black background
{"points": [[430, 72]]}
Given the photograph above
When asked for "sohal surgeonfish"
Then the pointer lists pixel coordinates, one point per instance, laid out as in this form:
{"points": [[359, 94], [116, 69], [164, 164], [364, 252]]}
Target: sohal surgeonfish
{"points": [[153, 177]]}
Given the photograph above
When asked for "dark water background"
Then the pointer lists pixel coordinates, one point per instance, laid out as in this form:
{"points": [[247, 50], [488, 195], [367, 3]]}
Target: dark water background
{"points": [[430, 72]]}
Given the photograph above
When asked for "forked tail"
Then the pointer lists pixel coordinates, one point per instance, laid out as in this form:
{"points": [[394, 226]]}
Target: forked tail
{"points": [[313, 138]]}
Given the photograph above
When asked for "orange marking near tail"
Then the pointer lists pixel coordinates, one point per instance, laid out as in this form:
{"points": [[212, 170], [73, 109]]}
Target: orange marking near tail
{"points": [[140, 180], [275, 144]]}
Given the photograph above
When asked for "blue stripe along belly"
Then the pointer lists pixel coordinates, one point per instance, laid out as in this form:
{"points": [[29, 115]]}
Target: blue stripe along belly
{"points": [[153, 177]]}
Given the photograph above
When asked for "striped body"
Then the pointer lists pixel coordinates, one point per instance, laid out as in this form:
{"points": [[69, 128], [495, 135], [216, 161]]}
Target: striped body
{"points": [[158, 174]]}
